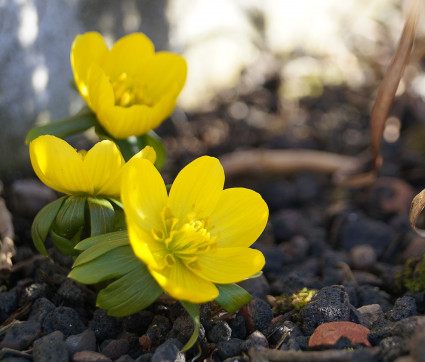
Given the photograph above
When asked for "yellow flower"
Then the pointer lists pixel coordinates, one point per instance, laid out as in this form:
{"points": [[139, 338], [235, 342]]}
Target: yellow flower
{"points": [[94, 172], [131, 88], [199, 234]]}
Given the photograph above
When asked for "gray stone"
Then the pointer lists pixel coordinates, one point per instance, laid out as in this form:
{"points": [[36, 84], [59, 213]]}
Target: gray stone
{"points": [[417, 345], [90, 356], [392, 347], [370, 313], [64, 319], [21, 335], [219, 332], [158, 329], [363, 257], [405, 328], [50, 348], [255, 339], [115, 348], [230, 348], [8, 303], [103, 325], [125, 358], [403, 307], [85, 341], [40, 309], [169, 351]]}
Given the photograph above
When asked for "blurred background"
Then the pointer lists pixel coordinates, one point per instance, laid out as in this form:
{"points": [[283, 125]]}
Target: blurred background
{"points": [[282, 72]]}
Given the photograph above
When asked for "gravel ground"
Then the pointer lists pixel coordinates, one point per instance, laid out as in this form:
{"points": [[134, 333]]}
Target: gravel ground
{"points": [[331, 289]]}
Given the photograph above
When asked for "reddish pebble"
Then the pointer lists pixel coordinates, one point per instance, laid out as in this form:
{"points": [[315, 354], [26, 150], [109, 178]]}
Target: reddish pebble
{"points": [[145, 342], [327, 334]]}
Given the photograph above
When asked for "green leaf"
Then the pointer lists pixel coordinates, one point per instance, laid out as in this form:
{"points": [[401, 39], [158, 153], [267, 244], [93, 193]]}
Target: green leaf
{"points": [[232, 297], [113, 264], [98, 245], [153, 140], [42, 222], [194, 312], [115, 201], [102, 215], [64, 245], [70, 218], [68, 126], [134, 291]]}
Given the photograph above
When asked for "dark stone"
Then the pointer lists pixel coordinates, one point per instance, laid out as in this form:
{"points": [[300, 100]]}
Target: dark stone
{"points": [[103, 326], [50, 348], [405, 328], [295, 250], [71, 292], [21, 335], [64, 319], [8, 303], [392, 347], [287, 224], [369, 294], [169, 351], [238, 327], [115, 348], [274, 258], [32, 292], [85, 341], [278, 195], [147, 357], [255, 339], [404, 307], [230, 348], [258, 314], [330, 304], [158, 329], [379, 330], [359, 230], [183, 328], [220, 331], [40, 309], [370, 313], [137, 323], [257, 287], [125, 358], [417, 345]]}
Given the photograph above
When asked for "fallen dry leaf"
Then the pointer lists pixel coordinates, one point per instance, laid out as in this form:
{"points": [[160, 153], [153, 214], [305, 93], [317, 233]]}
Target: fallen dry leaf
{"points": [[327, 334], [416, 207]]}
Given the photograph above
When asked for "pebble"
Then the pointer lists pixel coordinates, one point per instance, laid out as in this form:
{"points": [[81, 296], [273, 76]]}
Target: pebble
{"points": [[238, 327], [183, 328], [63, 319], [51, 347], [230, 348], [363, 257], [103, 325], [369, 294], [89, 356], [169, 351], [405, 328], [21, 335], [330, 304], [137, 323], [257, 314], [379, 330], [257, 287], [8, 303], [115, 348], [370, 313], [256, 338], [220, 331], [40, 309], [417, 345], [404, 307], [158, 329], [85, 341], [391, 348], [71, 292], [125, 358], [287, 223], [33, 292]]}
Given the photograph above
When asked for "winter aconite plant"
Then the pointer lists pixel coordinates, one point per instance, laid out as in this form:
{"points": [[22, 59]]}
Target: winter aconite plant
{"points": [[117, 218]]}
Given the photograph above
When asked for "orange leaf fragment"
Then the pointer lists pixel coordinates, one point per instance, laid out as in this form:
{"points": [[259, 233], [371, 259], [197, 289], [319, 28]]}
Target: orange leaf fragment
{"points": [[327, 334]]}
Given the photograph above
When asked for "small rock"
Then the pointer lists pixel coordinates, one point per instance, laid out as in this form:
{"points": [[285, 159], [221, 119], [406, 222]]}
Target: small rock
{"points": [[40, 309], [8, 303], [287, 223], [257, 287], [404, 307], [416, 247], [85, 341], [90, 356], [255, 339], [295, 250], [103, 325], [238, 327], [169, 351], [363, 257], [220, 331], [137, 323], [330, 304], [363, 277], [183, 328], [370, 313], [405, 328], [158, 329], [71, 292], [21, 335], [392, 347], [328, 334], [379, 330], [115, 348], [50, 348], [257, 314], [32, 292], [369, 294], [64, 319], [230, 348], [417, 345], [125, 358]]}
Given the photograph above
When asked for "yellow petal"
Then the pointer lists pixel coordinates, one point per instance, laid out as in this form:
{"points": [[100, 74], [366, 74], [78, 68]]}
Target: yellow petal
{"points": [[148, 153], [86, 49], [59, 166], [99, 89], [128, 55], [183, 284], [103, 163], [144, 196], [167, 74], [197, 188], [229, 265], [240, 217]]}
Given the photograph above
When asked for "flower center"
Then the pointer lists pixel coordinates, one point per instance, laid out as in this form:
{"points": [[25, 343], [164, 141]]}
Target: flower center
{"points": [[129, 91], [183, 239]]}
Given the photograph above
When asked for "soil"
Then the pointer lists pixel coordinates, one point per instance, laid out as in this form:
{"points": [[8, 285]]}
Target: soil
{"points": [[333, 252]]}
